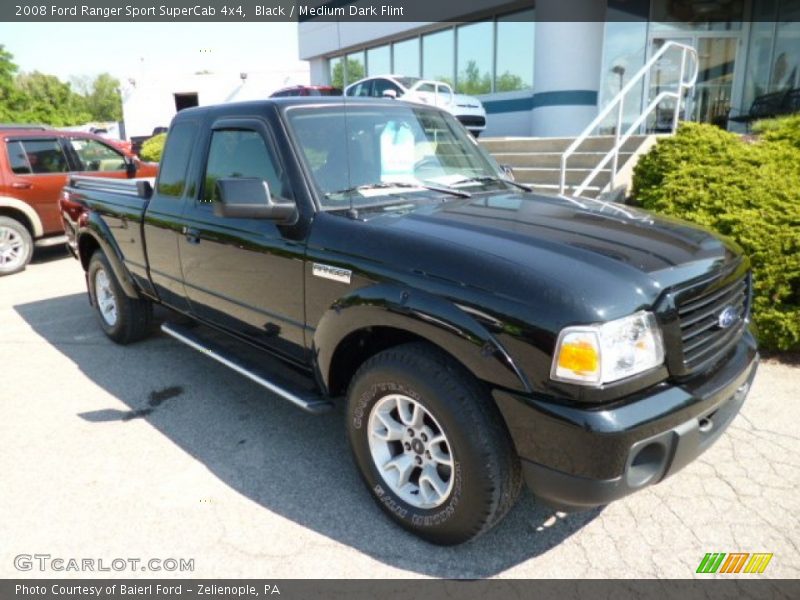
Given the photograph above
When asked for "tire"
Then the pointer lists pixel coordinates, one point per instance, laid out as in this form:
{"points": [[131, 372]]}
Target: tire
{"points": [[123, 319], [459, 424], [16, 246]]}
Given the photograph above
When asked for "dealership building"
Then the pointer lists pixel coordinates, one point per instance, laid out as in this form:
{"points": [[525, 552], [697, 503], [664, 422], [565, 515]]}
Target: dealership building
{"points": [[539, 75]]}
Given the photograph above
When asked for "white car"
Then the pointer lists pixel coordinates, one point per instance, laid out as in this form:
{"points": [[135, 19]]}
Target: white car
{"points": [[465, 108]]}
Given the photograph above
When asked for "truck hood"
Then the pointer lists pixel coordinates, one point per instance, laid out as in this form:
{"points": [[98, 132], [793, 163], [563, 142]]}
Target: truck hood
{"points": [[609, 259]]}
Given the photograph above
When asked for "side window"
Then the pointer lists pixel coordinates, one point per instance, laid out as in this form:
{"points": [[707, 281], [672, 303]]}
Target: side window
{"points": [[381, 85], [241, 153], [17, 159], [175, 160], [362, 89], [45, 156], [94, 156]]}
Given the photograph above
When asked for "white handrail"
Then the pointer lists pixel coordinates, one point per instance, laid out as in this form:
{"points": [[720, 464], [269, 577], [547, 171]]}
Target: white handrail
{"points": [[618, 104]]}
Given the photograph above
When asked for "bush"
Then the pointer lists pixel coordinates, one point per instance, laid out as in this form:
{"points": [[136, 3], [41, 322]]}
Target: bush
{"points": [[747, 191], [783, 129], [153, 148]]}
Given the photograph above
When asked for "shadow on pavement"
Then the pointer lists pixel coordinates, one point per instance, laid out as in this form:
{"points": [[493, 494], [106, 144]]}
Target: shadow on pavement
{"points": [[50, 254], [291, 463]]}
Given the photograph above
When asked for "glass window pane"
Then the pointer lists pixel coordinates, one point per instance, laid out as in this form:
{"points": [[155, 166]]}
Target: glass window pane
{"points": [[178, 149], [623, 57], [379, 61], [18, 159], [337, 71], [786, 62], [438, 60], [45, 156], [756, 81], [355, 67], [240, 154], [515, 52], [95, 156], [475, 50], [406, 58]]}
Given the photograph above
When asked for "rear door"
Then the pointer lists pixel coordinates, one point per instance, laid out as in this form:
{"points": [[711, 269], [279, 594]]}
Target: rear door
{"points": [[245, 275], [39, 170]]}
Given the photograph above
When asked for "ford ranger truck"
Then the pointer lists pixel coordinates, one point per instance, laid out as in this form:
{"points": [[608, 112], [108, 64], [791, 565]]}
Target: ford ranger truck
{"points": [[478, 334]]}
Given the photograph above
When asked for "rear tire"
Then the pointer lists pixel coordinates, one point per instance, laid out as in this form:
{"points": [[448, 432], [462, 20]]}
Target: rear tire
{"points": [[431, 445], [16, 246], [123, 319]]}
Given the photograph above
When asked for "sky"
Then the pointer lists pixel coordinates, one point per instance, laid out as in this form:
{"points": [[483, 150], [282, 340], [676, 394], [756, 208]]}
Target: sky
{"points": [[127, 49]]}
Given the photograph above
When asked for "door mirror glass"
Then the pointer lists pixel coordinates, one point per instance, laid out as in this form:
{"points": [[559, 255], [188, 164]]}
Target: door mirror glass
{"points": [[250, 198], [390, 93]]}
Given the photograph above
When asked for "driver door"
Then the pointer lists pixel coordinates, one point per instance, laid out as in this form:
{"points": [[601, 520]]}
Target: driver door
{"points": [[241, 274]]}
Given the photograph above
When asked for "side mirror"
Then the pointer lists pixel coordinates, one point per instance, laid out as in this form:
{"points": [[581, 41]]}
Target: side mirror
{"points": [[131, 166], [391, 94], [508, 171], [249, 198]]}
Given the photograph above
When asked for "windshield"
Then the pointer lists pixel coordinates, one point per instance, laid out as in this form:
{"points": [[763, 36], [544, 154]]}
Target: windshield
{"points": [[374, 154], [407, 82]]}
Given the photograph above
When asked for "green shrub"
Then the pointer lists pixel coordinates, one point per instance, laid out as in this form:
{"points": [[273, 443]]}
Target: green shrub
{"points": [[153, 148], [747, 191], [783, 129]]}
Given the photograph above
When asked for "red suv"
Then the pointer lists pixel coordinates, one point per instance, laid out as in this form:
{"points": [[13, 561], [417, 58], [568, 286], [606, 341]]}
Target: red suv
{"points": [[307, 90], [34, 165]]}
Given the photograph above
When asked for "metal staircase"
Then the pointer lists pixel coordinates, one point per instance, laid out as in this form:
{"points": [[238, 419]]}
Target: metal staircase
{"points": [[592, 164], [537, 161]]}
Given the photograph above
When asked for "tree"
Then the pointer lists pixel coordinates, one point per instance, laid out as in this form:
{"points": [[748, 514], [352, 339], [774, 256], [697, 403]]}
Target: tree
{"points": [[508, 82], [355, 71], [104, 101], [49, 100], [9, 95], [470, 81]]}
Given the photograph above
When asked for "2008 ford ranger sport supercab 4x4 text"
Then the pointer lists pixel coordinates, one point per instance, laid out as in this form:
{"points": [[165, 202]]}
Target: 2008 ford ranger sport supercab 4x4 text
{"points": [[481, 334]]}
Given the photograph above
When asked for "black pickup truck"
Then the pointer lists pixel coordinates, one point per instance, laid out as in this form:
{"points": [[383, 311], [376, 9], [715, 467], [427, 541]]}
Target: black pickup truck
{"points": [[479, 334]]}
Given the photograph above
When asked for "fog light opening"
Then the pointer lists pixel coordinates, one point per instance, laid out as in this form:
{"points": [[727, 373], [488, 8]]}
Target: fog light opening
{"points": [[646, 464]]}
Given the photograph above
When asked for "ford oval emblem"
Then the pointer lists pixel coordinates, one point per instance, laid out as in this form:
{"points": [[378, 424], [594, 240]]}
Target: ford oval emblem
{"points": [[727, 317]]}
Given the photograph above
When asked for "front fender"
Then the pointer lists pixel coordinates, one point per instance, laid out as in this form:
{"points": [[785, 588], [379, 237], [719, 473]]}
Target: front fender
{"points": [[430, 317], [95, 228]]}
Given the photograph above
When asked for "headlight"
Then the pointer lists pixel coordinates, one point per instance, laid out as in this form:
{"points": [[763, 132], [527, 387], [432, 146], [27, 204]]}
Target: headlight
{"points": [[598, 354]]}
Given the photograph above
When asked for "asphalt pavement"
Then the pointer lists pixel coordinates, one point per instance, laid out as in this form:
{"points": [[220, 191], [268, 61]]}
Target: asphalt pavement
{"points": [[154, 451]]}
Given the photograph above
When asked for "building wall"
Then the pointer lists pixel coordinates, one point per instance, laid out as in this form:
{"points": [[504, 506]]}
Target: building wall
{"points": [[149, 102]]}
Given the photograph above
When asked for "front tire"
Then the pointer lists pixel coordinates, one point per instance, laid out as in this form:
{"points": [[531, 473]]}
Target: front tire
{"points": [[16, 246], [431, 445], [123, 319]]}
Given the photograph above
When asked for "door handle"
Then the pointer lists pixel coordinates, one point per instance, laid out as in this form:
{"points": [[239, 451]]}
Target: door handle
{"points": [[21, 185], [192, 235]]}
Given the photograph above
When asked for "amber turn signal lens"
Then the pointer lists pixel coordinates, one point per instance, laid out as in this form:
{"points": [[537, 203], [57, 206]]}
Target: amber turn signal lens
{"points": [[580, 357]]}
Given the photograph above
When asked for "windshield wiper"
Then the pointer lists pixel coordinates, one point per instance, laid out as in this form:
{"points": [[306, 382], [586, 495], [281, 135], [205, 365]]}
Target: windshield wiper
{"points": [[491, 179], [402, 184]]}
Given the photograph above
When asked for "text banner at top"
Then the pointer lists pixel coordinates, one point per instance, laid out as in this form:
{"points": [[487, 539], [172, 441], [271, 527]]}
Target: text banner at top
{"points": [[328, 10]]}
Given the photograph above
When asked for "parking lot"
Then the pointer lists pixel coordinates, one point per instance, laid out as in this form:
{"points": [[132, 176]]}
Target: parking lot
{"points": [[155, 451]]}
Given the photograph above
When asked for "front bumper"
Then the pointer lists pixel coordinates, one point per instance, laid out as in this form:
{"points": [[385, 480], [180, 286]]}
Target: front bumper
{"points": [[578, 458]]}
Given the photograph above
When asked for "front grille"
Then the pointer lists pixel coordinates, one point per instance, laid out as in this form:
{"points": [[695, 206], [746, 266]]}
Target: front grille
{"points": [[703, 339], [472, 121]]}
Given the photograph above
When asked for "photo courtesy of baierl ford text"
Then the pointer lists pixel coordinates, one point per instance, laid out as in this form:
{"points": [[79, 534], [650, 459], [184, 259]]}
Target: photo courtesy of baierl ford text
{"points": [[398, 298]]}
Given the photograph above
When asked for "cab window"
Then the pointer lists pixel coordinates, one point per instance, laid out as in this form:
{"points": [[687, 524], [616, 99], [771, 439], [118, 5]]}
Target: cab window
{"points": [[241, 153], [175, 160], [95, 156]]}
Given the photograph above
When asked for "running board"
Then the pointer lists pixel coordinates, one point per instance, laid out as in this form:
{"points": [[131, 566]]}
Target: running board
{"points": [[308, 401]]}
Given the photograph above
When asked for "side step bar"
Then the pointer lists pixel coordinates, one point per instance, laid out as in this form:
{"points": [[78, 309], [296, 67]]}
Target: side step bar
{"points": [[308, 401]]}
